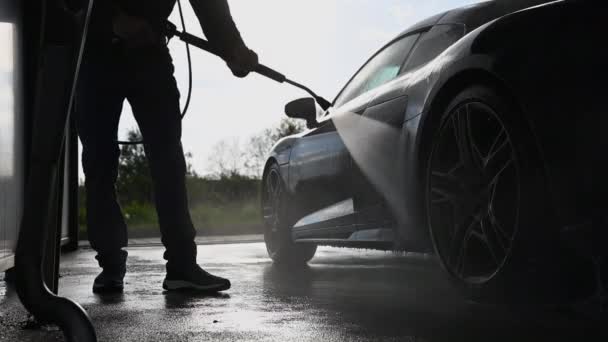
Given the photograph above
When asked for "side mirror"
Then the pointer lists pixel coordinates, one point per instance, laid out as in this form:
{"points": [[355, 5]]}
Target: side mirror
{"points": [[305, 109]]}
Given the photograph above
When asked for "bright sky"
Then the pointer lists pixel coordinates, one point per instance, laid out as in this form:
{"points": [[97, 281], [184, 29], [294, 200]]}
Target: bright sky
{"points": [[320, 43]]}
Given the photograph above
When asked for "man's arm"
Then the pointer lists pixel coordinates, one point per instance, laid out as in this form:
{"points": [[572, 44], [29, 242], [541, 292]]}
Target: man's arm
{"points": [[221, 31], [217, 23]]}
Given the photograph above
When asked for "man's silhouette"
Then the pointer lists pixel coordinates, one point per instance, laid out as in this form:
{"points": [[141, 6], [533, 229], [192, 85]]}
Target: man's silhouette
{"points": [[127, 58]]}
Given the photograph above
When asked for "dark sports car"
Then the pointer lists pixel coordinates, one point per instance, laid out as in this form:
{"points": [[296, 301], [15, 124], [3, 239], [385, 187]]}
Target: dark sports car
{"points": [[477, 134]]}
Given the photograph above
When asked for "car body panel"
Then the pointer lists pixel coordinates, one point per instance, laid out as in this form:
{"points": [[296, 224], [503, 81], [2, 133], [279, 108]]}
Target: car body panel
{"points": [[320, 164], [522, 68]]}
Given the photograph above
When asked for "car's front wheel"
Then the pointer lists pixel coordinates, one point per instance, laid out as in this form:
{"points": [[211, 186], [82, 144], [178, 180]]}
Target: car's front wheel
{"points": [[485, 200], [278, 222]]}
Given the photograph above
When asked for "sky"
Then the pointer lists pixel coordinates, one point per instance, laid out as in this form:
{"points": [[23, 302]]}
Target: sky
{"points": [[320, 43]]}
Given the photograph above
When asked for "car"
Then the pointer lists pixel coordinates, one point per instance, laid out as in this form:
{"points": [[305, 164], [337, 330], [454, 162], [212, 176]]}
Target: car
{"points": [[476, 134]]}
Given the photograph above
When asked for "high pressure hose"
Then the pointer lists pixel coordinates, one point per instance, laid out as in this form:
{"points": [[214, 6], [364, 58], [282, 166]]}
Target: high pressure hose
{"points": [[189, 58]]}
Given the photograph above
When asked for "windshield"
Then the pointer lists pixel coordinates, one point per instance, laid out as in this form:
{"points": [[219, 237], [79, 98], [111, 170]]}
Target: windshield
{"points": [[382, 68]]}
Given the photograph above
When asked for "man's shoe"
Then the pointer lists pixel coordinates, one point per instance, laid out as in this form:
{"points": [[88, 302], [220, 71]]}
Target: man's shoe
{"points": [[109, 282], [196, 279]]}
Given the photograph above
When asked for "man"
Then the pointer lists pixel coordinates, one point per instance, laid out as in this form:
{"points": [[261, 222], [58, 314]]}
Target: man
{"points": [[127, 58]]}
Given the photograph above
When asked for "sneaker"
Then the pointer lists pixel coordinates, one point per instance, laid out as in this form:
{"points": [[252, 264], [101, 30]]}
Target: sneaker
{"points": [[195, 279], [109, 282]]}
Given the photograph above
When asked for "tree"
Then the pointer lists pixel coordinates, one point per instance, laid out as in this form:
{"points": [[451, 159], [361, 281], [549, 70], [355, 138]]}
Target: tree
{"points": [[287, 127], [134, 183], [230, 158], [226, 158], [256, 152], [259, 145]]}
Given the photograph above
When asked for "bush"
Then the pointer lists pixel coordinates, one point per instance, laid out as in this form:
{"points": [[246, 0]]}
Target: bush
{"points": [[225, 206]]}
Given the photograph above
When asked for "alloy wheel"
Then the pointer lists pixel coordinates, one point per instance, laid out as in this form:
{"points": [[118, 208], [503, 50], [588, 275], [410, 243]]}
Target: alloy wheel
{"points": [[273, 191], [473, 192]]}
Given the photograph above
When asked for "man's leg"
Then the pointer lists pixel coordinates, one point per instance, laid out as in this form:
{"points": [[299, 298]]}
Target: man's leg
{"points": [[154, 97], [98, 106]]}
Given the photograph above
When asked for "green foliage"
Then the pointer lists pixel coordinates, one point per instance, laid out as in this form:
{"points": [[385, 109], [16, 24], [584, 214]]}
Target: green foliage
{"points": [[137, 214], [225, 190], [223, 206], [134, 182], [242, 217]]}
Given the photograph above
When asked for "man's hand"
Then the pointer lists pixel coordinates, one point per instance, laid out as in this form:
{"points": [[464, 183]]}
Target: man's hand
{"points": [[241, 61], [135, 31]]}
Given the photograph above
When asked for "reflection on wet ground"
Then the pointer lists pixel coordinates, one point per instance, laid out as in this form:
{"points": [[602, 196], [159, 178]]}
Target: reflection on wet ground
{"points": [[344, 295]]}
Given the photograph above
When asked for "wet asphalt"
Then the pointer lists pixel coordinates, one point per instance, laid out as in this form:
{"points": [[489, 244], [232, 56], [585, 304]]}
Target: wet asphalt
{"points": [[343, 295]]}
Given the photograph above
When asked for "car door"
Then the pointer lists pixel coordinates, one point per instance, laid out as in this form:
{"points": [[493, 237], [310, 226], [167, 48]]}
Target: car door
{"points": [[320, 172], [318, 167]]}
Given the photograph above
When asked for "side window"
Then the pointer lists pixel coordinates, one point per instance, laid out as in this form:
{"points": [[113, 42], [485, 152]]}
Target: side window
{"points": [[382, 68], [433, 43]]}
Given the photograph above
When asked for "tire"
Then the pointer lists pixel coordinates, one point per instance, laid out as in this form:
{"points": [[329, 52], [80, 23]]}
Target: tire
{"points": [[278, 221], [485, 201]]}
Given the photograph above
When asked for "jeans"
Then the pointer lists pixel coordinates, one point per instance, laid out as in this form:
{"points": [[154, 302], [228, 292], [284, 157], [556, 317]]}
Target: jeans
{"points": [[145, 79]]}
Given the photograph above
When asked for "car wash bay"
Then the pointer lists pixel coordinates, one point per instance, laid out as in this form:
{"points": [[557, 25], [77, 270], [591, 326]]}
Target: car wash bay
{"points": [[344, 295]]}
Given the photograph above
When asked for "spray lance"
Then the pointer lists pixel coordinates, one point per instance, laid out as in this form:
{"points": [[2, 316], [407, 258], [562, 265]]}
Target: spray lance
{"points": [[171, 31]]}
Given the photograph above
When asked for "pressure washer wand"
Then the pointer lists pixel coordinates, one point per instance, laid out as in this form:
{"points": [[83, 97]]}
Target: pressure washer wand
{"points": [[261, 69]]}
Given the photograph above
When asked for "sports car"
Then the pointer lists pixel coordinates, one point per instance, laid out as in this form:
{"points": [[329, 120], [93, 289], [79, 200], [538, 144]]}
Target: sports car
{"points": [[476, 134]]}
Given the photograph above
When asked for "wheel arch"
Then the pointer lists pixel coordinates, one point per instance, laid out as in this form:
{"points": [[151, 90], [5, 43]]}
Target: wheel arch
{"points": [[431, 119], [450, 88], [283, 171], [269, 162]]}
